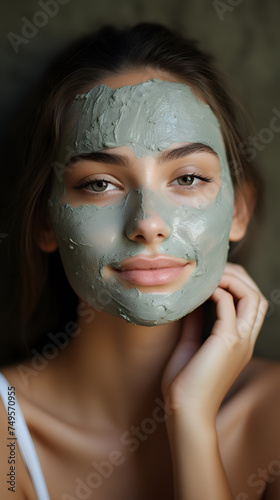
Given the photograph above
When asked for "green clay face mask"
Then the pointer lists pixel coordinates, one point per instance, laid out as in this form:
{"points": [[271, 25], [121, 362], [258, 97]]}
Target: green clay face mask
{"points": [[148, 118]]}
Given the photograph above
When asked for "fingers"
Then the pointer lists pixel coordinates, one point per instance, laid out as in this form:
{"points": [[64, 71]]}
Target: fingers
{"points": [[263, 304], [239, 271], [200, 375], [238, 295]]}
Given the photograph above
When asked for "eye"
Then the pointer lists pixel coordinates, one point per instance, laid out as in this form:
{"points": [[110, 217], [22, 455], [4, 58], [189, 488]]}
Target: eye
{"points": [[185, 180], [98, 185], [191, 180]]}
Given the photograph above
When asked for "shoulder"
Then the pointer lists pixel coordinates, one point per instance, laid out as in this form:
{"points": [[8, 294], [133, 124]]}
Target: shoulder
{"points": [[263, 378], [247, 427], [259, 384], [14, 478]]}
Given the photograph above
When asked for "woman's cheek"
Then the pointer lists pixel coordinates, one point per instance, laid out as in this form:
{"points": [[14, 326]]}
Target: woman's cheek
{"points": [[91, 238]]}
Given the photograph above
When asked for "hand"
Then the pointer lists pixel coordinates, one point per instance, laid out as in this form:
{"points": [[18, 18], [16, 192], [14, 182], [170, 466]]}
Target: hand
{"points": [[197, 377]]}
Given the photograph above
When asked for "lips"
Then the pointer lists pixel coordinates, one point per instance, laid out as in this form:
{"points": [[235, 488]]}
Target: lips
{"points": [[145, 271]]}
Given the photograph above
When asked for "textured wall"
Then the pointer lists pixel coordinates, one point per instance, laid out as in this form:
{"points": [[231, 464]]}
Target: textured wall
{"points": [[242, 35]]}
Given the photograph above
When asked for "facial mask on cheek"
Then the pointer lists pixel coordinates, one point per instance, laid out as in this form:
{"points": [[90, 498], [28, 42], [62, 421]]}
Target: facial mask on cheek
{"points": [[147, 118]]}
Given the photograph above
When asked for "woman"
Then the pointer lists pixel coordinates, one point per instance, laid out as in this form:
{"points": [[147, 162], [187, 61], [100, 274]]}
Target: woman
{"points": [[135, 177]]}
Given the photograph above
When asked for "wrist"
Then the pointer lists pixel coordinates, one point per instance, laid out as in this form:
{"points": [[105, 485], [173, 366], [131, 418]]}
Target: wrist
{"points": [[191, 423], [190, 413]]}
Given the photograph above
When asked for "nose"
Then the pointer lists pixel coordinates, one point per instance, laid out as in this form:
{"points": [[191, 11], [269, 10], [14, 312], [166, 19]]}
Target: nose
{"points": [[146, 226], [149, 230]]}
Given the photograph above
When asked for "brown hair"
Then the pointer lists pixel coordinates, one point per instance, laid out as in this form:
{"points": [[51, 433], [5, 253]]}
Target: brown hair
{"points": [[87, 61]]}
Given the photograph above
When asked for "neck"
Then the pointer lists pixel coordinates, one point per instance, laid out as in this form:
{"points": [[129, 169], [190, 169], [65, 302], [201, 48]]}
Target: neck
{"points": [[116, 366]]}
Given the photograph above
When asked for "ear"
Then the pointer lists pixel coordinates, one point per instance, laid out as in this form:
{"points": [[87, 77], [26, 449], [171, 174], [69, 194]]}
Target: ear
{"points": [[243, 208], [46, 239]]}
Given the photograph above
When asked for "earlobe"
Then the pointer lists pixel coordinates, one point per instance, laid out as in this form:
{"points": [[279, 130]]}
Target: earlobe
{"points": [[46, 239], [243, 208]]}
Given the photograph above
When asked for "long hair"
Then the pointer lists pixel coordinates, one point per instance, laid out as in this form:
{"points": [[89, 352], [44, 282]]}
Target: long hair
{"points": [[43, 298]]}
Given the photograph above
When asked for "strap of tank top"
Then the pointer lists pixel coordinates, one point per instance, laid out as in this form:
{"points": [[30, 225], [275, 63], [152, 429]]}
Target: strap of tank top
{"points": [[25, 444]]}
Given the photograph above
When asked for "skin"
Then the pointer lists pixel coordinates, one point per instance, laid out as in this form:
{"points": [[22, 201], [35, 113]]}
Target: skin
{"points": [[96, 230], [117, 379]]}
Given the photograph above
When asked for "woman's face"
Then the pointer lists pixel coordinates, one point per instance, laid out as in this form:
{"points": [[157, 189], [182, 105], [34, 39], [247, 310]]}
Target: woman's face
{"points": [[143, 210]]}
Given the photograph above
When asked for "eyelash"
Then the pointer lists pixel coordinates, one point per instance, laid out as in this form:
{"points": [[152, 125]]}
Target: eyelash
{"points": [[194, 176], [88, 183]]}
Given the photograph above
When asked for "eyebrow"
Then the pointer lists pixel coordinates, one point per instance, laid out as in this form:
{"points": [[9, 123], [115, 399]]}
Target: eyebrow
{"points": [[102, 157], [188, 149], [124, 161]]}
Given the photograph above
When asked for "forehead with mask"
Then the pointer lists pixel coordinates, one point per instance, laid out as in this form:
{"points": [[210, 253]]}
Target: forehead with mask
{"points": [[149, 119]]}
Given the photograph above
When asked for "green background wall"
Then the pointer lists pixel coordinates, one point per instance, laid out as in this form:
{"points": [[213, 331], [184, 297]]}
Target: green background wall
{"points": [[244, 37]]}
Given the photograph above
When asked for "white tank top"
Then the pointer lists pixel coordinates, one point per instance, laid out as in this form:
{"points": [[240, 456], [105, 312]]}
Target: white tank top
{"points": [[25, 444]]}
